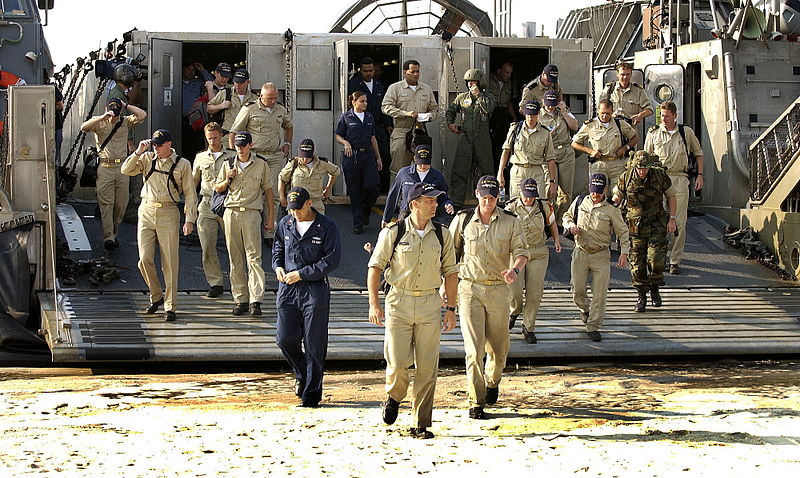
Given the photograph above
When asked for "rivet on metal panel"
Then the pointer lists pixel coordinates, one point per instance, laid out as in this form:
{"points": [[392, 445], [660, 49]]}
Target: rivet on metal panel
{"points": [[25, 151], [45, 207]]}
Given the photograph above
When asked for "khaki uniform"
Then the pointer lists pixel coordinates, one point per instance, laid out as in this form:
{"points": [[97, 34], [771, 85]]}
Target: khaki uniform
{"points": [[535, 90], [503, 91], [671, 151], [592, 256], [413, 310], [229, 114], [530, 154], [483, 295], [242, 218], [630, 101], [400, 99], [266, 127], [565, 157], [606, 138], [310, 178], [205, 171], [159, 219], [531, 278], [112, 185]]}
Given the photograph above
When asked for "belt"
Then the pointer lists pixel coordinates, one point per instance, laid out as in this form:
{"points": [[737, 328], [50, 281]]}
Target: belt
{"points": [[593, 252], [609, 158], [110, 162], [486, 282], [153, 203], [415, 293], [360, 150], [561, 146], [526, 165], [241, 209]]}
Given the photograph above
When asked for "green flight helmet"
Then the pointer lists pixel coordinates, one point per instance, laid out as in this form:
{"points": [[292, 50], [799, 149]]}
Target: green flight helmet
{"points": [[474, 74]]}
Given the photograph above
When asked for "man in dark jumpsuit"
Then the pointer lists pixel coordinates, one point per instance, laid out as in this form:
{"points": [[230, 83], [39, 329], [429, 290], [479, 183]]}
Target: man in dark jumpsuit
{"points": [[365, 81], [305, 250]]}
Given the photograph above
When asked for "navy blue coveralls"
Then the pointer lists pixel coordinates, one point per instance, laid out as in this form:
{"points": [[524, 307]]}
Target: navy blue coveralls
{"points": [[397, 200], [360, 169], [303, 306], [382, 121]]}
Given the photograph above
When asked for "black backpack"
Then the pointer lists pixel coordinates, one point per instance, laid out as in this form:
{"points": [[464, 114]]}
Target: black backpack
{"points": [[170, 175]]}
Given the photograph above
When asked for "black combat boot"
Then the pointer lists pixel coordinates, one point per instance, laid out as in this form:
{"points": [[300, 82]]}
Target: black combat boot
{"points": [[655, 296], [641, 302]]}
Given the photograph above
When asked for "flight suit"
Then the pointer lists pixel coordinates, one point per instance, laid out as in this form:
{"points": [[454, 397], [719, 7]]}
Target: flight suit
{"points": [[310, 177], [400, 99], [159, 219], [535, 90], [229, 114], [205, 171], [530, 153], [643, 201], [474, 146], [629, 101], [242, 218], [413, 310], [565, 157], [483, 294], [606, 138], [303, 307], [266, 126], [360, 169], [531, 278], [591, 256], [112, 185], [671, 151]]}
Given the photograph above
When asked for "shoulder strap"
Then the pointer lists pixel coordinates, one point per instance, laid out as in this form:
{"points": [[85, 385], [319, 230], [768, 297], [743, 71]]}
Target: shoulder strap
{"points": [[515, 134], [576, 208], [122, 119], [468, 214], [622, 138], [289, 185], [683, 137], [228, 93], [152, 170], [437, 228], [541, 209], [401, 230]]}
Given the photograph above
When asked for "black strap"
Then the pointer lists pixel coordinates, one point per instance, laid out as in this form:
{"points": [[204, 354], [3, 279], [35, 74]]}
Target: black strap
{"points": [[514, 135], [291, 174], [468, 213], [228, 93], [689, 154], [111, 135], [622, 137], [401, 231], [575, 209], [170, 175], [544, 217]]}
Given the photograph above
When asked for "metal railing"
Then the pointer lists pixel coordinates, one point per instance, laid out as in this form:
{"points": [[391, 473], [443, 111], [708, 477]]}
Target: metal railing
{"points": [[773, 151]]}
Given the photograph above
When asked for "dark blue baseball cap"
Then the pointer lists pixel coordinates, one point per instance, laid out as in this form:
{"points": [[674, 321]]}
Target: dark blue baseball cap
{"points": [[422, 189], [488, 185], [423, 154], [550, 98], [597, 183], [160, 136], [528, 188], [224, 69], [241, 76], [296, 198], [531, 107], [551, 73], [242, 138]]}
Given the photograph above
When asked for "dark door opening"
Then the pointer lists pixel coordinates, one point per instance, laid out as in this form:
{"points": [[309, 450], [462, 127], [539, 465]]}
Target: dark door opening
{"points": [[388, 70], [209, 55], [528, 63]]}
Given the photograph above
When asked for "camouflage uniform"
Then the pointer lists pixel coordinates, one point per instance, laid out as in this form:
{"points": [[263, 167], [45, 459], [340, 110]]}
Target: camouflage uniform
{"points": [[647, 220], [474, 141]]}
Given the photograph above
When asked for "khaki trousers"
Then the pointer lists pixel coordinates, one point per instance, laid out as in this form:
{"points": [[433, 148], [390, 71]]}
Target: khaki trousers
{"points": [[531, 279], [401, 156], [565, 165], [208, 227], [242, 233], [519, 173], [112, 197], [483, 311], [413, 329], [159, 225], [612, 169], [276, 162], [596, 266], [680, 186]]}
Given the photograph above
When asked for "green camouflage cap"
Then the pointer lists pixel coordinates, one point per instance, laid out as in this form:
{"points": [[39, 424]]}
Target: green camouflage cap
{"points": [[641, 159]]}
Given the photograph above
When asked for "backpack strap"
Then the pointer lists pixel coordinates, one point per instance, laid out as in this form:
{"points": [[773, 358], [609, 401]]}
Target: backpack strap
{"points": [[228, 93], [515, 134], [622, 138], [575, 209], [468, 214]]}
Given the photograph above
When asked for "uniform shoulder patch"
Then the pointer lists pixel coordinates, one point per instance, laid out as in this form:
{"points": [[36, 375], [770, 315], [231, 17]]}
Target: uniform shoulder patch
{"points": [[250, 103], [509, 213], [260, 157], [587, 121], [465, 211], [637, 85], [652, 129]]}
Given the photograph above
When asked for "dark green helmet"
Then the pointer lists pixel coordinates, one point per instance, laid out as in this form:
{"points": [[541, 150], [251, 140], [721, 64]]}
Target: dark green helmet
{"points": [[474, 74]]}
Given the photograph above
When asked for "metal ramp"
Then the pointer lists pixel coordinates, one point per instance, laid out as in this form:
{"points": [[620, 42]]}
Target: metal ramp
{"points": [[730, 321]]}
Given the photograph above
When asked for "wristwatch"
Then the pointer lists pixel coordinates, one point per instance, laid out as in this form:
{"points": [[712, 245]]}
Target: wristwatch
{"points": [[516, 271], [552, 181], [450, 309], [674, 217]]}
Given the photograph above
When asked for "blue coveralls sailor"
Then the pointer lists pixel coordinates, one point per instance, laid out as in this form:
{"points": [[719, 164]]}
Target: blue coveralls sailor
{"points": [[374, 100], [360, 169], [397, 202], [303, 306]]}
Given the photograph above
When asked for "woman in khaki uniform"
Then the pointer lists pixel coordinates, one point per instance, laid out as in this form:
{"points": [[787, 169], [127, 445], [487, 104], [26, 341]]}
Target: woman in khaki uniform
{"points": [[307, 171]]}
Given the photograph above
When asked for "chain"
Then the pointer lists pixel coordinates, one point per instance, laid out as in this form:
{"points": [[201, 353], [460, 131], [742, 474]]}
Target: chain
{"points": [[73, 90], [288, 43], [81, 137], [4, 153]]}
